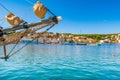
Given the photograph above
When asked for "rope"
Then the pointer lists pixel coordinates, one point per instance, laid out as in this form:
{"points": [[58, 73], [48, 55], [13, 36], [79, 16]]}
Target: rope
{"points": [[30, 2], [2, 19], [2, 23], [51, 12], [30, 42], [10, 53], [5, 8], [17, 42]]}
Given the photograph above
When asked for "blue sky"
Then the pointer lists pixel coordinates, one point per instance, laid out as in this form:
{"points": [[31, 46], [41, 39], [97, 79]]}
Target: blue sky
{"points": [[79, 16]]}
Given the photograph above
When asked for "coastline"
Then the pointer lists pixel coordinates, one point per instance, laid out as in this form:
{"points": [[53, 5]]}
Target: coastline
{"points": [[63, 38]]}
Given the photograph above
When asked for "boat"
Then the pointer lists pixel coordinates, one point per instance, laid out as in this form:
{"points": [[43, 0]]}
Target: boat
{"points": [[81, 43], [20, 28], [94, 44], [68, 43]]}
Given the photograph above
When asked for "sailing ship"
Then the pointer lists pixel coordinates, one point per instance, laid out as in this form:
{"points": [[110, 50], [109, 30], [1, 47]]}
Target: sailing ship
{"points": [[25, 28]]}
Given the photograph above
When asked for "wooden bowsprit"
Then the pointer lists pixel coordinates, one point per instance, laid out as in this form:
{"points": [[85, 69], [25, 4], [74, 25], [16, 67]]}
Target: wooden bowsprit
{"points": [[43, 24], [19, 24]]}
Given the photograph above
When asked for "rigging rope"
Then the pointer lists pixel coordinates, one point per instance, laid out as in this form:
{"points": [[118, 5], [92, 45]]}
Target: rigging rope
{"points": [[10, 53], [30, 2], [29, 42], [5, 8], [51, 12], [2, 19], [2, 23], [17, 42]]}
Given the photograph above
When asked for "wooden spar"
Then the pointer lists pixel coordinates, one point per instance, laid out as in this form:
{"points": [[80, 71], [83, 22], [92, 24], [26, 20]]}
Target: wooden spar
{"points": [[43, 24], [37, 26], [4, 48], [47, 22], [5, 55]]}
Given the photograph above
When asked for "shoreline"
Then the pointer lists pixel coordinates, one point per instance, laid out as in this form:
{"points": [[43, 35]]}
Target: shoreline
{"points": [[66, 43]]}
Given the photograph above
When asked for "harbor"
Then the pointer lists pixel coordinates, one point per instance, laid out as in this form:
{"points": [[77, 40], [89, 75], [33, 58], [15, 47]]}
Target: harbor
{"points": [[59, 40], [73, 39]]}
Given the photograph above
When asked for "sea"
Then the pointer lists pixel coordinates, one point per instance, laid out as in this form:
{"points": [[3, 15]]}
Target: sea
{"points": [[61, 62]]}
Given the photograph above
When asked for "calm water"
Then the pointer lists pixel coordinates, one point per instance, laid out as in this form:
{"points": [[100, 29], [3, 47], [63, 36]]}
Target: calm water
{"points": [[62, 62]]}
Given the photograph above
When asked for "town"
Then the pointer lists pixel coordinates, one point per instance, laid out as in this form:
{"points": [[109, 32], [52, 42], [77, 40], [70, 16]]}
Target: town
{"points": [[68, 38]]}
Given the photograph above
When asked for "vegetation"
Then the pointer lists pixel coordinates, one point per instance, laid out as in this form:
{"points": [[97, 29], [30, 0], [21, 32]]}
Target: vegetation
{"points": [[94, 37]]}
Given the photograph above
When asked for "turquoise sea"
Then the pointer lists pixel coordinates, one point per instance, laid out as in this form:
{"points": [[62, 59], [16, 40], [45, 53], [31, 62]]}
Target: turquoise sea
{"points": [[62, 62]]}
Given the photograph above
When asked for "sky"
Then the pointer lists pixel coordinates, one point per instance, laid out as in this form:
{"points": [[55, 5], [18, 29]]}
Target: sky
{"points": [[78, 16]]}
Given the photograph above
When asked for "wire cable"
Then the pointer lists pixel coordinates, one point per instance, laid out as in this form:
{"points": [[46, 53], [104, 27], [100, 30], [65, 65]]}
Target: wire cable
{"points": [[17, 43], [30, 2], [5, 8], [30, 42]]}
